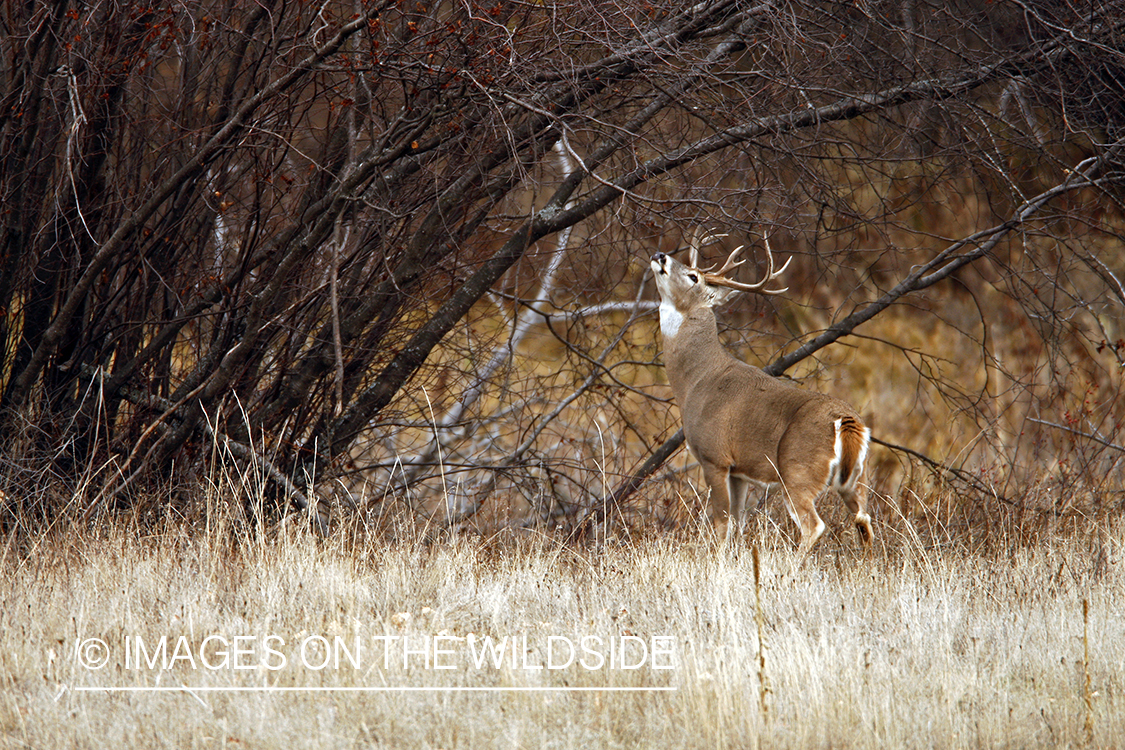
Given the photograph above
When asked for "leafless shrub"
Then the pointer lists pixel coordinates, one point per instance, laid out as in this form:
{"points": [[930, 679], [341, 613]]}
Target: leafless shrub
{"points": [[386, 254]]}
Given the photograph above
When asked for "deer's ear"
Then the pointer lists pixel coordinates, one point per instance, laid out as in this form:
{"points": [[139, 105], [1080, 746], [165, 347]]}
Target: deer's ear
{"points": [[718, 295]]}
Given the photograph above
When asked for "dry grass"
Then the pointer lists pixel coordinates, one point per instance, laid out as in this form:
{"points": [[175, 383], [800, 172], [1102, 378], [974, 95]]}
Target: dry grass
{"points": [[922, 644]]}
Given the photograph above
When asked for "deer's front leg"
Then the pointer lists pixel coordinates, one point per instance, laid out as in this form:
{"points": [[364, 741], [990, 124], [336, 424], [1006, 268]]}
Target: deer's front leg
{"points": [[738, 488], [716, 478]]}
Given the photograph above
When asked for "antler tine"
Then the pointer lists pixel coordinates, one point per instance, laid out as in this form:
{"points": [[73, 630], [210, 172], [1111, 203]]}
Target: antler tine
{"points": [[770, 273], [698, 240], [719, 280], [730, 264], [693, 247]]}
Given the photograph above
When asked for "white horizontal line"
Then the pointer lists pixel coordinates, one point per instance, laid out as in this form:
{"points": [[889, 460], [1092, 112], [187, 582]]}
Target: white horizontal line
{"points": [[376, 689]]}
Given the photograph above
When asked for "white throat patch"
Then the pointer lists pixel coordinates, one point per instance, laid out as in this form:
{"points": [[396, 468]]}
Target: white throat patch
{"points": [[670, 319]]}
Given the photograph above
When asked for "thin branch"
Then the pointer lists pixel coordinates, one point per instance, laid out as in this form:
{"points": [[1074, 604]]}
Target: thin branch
{"points": [[959, 474], [1086, 435]]}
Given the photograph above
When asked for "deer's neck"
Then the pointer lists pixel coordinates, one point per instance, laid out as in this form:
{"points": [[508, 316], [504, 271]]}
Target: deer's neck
{"points": [[692, 350]]}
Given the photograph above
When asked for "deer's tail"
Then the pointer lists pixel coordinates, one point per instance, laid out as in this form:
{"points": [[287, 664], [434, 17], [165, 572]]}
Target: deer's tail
{"points": [[852, 439]]}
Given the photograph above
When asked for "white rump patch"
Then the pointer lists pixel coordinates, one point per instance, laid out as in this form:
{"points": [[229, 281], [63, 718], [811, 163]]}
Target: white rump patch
{"points": [[834, 464], [670, 319]]}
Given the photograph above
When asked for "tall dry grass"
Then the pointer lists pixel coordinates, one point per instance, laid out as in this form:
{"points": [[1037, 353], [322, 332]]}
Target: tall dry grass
{"points": [[935, 639]]}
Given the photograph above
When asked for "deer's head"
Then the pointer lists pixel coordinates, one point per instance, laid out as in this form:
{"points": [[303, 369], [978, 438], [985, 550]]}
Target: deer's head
{"points": [[684, 288]]}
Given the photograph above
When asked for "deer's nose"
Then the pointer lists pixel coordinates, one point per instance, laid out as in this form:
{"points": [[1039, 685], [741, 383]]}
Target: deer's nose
{"points": [[659, 257]]}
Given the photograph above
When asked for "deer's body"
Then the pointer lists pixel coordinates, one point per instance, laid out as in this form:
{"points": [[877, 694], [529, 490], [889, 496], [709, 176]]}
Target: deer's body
{"points": [[746, 427]]}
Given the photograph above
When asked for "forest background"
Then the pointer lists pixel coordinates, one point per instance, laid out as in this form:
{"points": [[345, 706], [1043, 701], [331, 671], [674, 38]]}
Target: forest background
{"points": [[388, 260]]}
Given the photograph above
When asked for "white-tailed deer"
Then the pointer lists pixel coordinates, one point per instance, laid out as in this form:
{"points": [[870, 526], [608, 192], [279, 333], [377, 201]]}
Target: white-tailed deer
{"points": [[744, 426]]}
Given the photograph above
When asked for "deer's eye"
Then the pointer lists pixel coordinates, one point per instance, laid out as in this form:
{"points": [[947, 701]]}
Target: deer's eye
{"points": [[693, 277]]}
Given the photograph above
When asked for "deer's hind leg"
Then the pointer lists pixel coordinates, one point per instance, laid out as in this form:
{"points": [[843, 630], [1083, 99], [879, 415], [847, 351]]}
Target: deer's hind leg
{"points": [[800, 499], [803, 478], [855, 497]]}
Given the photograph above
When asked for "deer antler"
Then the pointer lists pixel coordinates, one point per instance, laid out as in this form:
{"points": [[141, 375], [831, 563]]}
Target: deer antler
{"points": [[697, 241], [718, 279], [730, 264], [693, 247]]}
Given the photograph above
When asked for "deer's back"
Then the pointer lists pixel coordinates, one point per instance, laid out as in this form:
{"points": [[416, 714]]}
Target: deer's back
{"points": [[740, 416]]}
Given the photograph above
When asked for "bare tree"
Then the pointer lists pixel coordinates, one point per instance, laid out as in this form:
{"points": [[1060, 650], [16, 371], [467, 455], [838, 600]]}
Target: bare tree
{"points": [[318, 238]]}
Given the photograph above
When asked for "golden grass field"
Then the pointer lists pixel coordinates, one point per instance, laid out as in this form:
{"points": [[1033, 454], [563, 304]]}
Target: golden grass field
{"points": [[927, 642]]}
